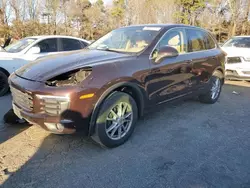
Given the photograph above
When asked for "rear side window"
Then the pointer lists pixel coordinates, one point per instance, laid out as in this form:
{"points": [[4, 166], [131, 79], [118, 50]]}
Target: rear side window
{"points": [[210, 42], [48, 45], [70, 44], [196, 40]]}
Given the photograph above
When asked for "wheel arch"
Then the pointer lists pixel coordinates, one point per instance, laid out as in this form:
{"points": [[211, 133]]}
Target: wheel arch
{"points": [[127, 87], [220, 72]]}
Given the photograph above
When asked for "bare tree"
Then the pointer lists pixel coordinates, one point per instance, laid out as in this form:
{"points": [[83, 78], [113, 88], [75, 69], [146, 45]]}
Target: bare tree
{"points": [[4, 16], [150, 11], [52, 8], [234, 8], [16, 6], [245, 16], [33, 7]]}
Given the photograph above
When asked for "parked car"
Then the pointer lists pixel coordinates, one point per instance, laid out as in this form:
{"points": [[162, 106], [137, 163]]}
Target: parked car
{"points": [[104, 89], [29, 49], [238, 58]]}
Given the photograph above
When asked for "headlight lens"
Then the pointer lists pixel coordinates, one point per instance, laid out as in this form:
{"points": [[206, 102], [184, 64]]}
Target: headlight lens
{"points": [[70, 78], [54, 105]]}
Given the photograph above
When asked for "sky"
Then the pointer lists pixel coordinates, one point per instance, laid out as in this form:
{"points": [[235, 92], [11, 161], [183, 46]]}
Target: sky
{"points": [[105, 1]]}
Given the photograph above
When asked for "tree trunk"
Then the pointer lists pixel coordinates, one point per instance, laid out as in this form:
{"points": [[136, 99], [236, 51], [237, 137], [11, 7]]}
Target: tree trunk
{"points": [[233, 31]]}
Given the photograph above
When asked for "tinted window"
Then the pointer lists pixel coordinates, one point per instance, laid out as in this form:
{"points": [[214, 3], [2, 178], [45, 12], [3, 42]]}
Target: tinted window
{"points": [[127, 40], [48, 45], [240, 42], [210, 42], [176, 39], [197, 40], [70, 44], [84, 44]]}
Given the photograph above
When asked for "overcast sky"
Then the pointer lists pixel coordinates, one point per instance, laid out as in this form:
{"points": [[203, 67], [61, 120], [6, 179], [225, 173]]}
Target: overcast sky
{"points": [[105, 1]]}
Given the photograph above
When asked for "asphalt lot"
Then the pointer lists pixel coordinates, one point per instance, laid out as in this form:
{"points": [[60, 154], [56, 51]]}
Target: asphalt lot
{"points": [[188, 144]]}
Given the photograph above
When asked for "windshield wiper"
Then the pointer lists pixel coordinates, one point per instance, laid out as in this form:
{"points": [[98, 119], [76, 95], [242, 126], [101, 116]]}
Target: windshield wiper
{"points": [[106, 48]]}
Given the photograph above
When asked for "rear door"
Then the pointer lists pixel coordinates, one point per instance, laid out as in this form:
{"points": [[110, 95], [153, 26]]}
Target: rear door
{"points": [[68, 44], [171, 78], [204, 53]]}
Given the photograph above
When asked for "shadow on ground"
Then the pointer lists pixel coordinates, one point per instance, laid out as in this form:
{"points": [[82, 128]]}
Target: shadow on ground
{"points": [[179, 145], [10, 130], [7, 131]]}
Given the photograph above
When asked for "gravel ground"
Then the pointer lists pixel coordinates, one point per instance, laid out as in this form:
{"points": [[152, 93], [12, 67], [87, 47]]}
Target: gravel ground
{"points": [[188, 144]]}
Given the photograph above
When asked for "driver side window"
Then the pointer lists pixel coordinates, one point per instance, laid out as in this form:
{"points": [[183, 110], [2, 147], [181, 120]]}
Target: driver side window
{"points": [[48, 45], [175, 38]]}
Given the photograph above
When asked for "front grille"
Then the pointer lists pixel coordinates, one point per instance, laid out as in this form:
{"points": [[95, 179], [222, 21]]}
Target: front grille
{"points": [[22, 99], [232, 60], [53, 105]]}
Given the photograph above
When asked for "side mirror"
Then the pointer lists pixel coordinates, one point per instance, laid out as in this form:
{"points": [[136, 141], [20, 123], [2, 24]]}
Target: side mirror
{"points": [[164, 52], [35, 50]]}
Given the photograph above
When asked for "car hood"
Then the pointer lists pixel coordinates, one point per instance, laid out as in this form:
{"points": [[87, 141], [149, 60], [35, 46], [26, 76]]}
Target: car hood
{"points": [[237, 52], [7, 56], [46, 68]]}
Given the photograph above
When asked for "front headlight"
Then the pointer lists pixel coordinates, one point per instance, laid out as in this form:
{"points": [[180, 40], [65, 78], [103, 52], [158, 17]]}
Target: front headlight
{"points": [[70, 78], [53, 105]]}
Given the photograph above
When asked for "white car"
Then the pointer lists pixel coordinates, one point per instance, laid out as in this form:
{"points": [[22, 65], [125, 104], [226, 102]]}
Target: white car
{"points": [[238, 58], [29, 49]]}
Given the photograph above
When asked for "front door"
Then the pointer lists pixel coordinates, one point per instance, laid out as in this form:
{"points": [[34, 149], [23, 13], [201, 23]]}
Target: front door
{"points": [[171, 78], [47, 47]]}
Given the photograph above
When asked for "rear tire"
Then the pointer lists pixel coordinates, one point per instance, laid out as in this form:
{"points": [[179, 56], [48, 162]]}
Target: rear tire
{"points": [[4, 86], [116, 120], [214, 91]]}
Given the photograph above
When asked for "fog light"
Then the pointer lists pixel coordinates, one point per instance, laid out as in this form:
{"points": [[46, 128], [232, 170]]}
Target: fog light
{"points": [[55, 127], [51, 126], [60, 127]]}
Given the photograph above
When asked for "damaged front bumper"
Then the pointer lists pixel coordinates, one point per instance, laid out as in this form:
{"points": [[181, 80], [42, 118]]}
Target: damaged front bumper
{"points": [[53, 124], [56, 109]]}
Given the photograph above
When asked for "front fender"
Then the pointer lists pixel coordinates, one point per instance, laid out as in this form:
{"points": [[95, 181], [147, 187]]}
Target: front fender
{"points": [[139, 92], [12, 64]]}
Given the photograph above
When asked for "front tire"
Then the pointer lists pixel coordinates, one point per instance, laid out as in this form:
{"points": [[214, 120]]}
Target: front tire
{"points": [[116, 120], [4, 86], [213, 94]]}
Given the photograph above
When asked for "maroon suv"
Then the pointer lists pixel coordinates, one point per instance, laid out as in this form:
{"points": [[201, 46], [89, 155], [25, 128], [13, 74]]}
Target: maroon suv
{"points": [[105, 88]]}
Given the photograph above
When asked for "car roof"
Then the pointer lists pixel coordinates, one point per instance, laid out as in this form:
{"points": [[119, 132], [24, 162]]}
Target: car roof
{"points": [[56, 36], [163, 25], [168, 26]]}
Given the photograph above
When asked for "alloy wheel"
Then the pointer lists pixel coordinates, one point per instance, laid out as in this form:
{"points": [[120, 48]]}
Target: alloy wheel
{"points": [[119, 121], [216, 85]]}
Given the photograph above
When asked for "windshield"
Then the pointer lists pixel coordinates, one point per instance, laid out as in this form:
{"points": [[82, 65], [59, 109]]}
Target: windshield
{"points": [[130, 39], [19, 45], [240, 42]]}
